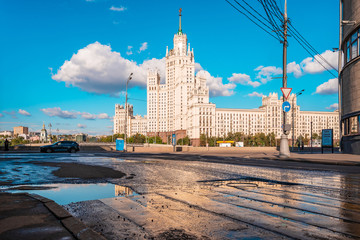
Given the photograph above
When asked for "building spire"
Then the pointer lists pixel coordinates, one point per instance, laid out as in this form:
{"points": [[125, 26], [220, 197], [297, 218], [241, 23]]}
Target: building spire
{"points": [[180, 31]]}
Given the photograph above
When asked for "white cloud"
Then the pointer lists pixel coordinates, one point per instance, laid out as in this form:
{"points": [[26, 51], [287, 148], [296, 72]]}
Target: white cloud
{"points": [[12, 114], [129, 51], [103, 116], [294, 68], [329, 87], [57, 112], [143, 47], [158, 64], [88, 116], [25, 113], [198, 67], [81, 125], [216, 86], [334, 106], [1, 115], [310, 65], [265, 74], [118, 9], [98, 69], [243, 79], [256, 94]]}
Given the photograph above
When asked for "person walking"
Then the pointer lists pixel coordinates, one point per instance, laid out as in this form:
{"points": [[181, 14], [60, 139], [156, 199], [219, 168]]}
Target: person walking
{"points": [[6, 144]]}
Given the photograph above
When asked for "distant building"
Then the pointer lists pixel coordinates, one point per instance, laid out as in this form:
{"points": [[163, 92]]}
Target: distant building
{"points": [[135, 124], [21, 130], [350, 76], [80, 138], [181, 106], [43, 134], [6, 133]]}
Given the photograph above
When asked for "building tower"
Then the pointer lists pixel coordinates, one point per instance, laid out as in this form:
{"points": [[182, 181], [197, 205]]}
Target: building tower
{"points": [[43, 134], [349, 75], [180, 74]]}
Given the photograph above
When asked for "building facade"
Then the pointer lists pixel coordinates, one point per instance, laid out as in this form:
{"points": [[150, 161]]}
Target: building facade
{"points": [[181, 106], [21, 130], [135, 124], [43, 134], [349, 75]]}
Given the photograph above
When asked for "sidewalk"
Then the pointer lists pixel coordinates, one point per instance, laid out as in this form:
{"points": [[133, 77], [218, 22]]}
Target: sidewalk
{"points": [[25, 216], [327, 158], [315, 157]]}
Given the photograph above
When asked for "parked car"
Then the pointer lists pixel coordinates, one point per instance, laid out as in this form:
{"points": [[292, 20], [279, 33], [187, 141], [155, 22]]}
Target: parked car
{"points": [[62, 146]]}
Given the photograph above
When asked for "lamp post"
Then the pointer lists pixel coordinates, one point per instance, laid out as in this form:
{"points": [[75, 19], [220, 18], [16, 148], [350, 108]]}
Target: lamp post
{"points": [[126, 110], [50, 131], [293, 126]]}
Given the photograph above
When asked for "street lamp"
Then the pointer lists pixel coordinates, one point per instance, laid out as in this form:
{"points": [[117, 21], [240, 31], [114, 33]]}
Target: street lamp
{"points": [[293, 126], [50, 131], [126, 110]]}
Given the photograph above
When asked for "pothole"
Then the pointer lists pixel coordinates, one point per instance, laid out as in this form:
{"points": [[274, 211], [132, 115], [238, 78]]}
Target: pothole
{"points": [[68, 193]]}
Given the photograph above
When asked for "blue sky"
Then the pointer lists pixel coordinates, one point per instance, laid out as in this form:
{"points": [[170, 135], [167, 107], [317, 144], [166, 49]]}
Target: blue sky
{"points": [[66, 62]]}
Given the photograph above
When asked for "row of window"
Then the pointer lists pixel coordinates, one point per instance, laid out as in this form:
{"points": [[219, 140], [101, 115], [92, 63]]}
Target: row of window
{"points": [[351, 126], [352, 46]]}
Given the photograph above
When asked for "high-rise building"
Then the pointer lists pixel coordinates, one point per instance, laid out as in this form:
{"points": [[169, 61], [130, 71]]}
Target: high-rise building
{"points": [[181, 106], [349, 75], [21, 130], [135, 124]]}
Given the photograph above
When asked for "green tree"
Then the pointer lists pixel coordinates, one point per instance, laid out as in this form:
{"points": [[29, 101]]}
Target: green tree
{"points": [[203, 140], [183, 141], [138, 138]]}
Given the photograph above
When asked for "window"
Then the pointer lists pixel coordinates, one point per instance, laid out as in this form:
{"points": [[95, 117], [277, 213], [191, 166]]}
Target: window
{"points": [[354, 45]]}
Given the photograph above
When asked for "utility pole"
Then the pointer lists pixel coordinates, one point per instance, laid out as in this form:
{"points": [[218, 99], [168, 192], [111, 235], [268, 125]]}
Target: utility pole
{"points": [[126, 110], [311, 140], [50, 132], [284, 143]]}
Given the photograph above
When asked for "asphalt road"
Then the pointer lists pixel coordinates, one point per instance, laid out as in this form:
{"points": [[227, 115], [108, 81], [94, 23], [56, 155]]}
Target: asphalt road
{"points": [[179, 196]]}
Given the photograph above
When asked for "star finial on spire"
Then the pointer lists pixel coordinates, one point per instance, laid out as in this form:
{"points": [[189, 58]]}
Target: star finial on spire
{"points": [[180, 31]]}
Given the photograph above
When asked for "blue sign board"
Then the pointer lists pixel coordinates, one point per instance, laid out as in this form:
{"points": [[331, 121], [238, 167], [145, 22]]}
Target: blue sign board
{"points": [[174, 139], [286, 106]]}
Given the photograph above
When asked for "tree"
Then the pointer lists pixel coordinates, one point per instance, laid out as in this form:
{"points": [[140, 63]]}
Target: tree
{"points": [[203, 140], [138, 138], [156, 140], [183, 141]]}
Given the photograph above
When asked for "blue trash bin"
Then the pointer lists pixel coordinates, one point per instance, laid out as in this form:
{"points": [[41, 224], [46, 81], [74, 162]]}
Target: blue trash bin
{"points": [[119, 144]]}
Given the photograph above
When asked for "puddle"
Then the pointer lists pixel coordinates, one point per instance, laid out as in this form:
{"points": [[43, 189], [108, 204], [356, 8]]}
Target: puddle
{"points": [[67, 193]]}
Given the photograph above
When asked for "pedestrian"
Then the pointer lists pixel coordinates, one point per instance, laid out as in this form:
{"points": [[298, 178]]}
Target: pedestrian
{"points": [[6, 144], [298, 145], [302, 145]]}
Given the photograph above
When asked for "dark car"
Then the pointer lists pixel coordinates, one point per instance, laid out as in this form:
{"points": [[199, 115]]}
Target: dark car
{"points": [[62, 146]]}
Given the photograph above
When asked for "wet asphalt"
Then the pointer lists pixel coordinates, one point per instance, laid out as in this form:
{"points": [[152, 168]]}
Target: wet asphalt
{"points": [[179, 196]]}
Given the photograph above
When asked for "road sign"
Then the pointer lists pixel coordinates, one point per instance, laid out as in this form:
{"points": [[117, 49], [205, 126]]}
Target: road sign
{"points": [[286, 92], [286, 106]]}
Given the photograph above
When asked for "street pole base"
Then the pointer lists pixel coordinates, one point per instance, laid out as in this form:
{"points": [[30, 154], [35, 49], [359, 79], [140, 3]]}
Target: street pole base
{"points": [[284, 147]]}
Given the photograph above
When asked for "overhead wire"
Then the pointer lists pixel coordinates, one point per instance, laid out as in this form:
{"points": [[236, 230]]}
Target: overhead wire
{"points": [[253, 20], [273, 11]]}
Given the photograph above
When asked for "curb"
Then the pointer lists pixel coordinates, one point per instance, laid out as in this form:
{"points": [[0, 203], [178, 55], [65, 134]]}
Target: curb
{"points": [[74, 226]]}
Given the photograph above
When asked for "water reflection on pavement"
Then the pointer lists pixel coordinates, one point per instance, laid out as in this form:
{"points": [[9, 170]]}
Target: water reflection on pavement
{"points": [[201, 200]]}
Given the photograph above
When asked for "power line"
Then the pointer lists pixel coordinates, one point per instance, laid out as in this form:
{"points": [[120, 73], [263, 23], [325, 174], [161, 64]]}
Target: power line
{"points": [[252, 20], [295, 32], [273, 12]]}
